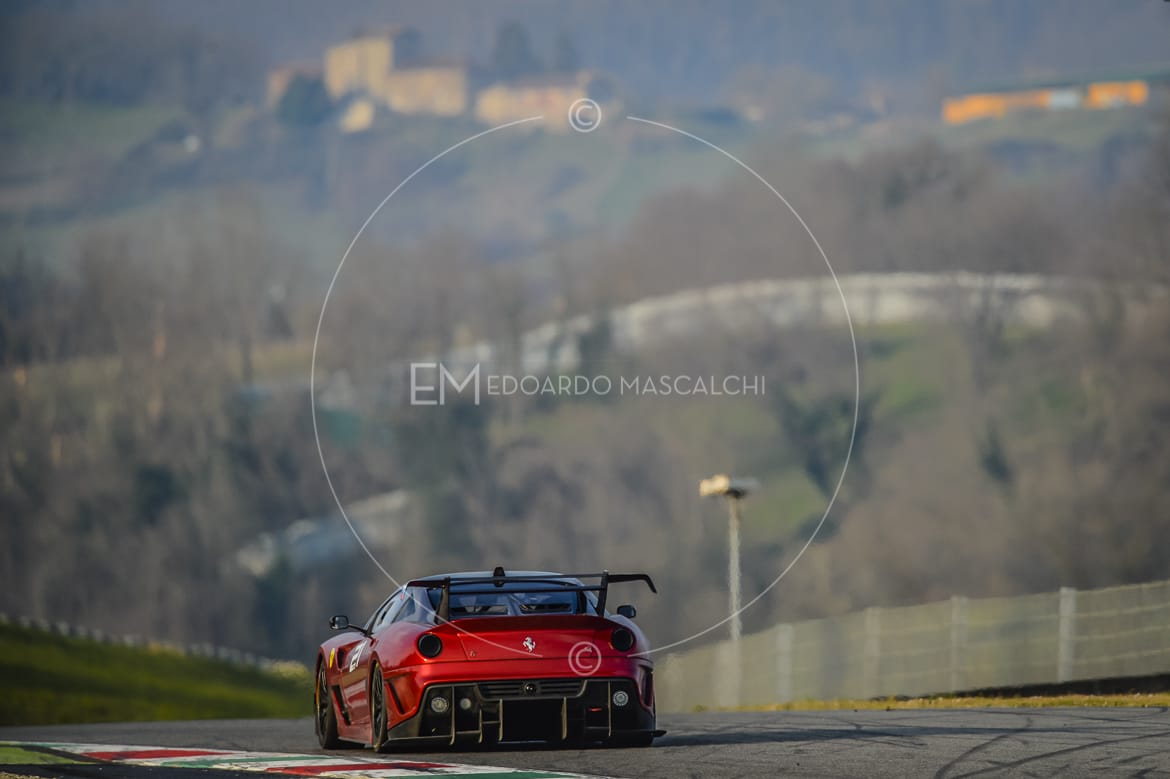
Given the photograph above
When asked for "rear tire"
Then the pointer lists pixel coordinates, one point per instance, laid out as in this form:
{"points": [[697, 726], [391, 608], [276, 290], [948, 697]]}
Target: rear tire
{"points": [[379, 734], [325, 721]]}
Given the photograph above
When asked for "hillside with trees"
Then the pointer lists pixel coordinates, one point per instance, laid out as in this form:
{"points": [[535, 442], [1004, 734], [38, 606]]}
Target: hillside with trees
{"points": [[156, 419], [167, 240]]}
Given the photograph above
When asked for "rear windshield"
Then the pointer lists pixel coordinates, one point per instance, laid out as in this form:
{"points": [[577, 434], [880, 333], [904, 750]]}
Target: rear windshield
{"points": [[510, 601]]}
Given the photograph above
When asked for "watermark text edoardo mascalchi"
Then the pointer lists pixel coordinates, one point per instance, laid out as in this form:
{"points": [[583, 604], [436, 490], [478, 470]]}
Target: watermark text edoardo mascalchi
{"points": [[432, 382]]}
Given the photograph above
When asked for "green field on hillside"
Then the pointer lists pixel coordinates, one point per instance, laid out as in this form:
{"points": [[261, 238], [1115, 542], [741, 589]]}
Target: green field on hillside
{"points": [[51, 679], [1075, 134], [899, 366], [900, 372], [62, 180], [44, 133]]}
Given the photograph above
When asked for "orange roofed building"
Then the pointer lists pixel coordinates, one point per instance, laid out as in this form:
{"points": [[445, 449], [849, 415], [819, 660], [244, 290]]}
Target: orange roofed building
{"points": [[997, 103]]}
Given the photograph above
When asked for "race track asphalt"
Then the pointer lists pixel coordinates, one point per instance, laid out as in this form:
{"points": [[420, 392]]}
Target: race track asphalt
{"points": [[946, 744]]}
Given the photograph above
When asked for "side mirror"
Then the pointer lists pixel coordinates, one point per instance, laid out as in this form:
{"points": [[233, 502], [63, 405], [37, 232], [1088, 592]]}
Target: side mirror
{"points": [[339, 622], [627, 611]]}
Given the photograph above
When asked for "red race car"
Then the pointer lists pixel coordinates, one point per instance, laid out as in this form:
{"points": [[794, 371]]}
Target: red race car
{"points": [[481, 658]]}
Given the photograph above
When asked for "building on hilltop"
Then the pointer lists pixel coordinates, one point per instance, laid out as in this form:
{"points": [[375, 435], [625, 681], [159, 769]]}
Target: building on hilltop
{"points": [[388, 68], [431, 88], [548, 96], [362, 63], [1056, 96], [385, 69]]}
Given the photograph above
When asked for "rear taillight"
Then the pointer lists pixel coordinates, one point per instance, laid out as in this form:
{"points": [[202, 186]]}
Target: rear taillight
{"points": [[429, 645], [622, 639]]}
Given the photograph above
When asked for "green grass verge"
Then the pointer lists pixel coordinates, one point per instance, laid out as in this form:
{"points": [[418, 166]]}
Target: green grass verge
{"points": [[14, 755], [1138, 700], [54, 679]]}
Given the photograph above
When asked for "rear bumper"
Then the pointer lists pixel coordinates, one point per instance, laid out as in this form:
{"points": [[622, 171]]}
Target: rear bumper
{"points": [[559, 710]]}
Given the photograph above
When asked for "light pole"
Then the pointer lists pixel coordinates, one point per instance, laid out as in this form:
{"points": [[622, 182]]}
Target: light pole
{"points": [[733, 489]]}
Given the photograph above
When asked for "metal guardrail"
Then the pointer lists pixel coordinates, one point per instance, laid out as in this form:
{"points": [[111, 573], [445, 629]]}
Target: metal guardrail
{"points": [[949, 646], [225, 654]]}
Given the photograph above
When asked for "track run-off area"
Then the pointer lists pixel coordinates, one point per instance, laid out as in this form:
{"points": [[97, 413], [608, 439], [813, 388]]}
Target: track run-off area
{"points": [[942, 743]]}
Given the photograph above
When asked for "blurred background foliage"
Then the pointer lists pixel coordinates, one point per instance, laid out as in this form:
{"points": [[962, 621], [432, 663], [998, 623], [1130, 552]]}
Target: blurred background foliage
{"points": [[166, 240]]}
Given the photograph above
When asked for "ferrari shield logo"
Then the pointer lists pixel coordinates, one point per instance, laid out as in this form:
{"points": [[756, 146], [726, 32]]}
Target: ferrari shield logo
{"points": [[529, 644]]}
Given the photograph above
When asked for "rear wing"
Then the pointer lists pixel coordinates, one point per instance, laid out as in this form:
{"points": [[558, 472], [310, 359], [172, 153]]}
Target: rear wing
{"points": [[490, 585]]}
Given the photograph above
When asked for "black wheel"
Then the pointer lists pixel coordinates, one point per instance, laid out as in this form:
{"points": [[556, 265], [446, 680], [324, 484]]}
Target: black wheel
{"points": [[325, 720], [379, 737]]}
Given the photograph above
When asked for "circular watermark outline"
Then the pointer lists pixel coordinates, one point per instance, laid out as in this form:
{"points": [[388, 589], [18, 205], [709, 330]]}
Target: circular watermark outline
{"points": [[584, 115], [755, 174], [577, 663]]}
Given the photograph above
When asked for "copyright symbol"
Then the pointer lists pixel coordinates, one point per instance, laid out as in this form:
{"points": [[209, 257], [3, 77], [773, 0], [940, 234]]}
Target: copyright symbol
{"points": [[584, 658], [584, 115]]}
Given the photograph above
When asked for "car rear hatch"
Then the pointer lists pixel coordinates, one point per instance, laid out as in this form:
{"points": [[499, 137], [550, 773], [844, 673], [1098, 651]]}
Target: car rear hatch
{"points": [[520, 638]]}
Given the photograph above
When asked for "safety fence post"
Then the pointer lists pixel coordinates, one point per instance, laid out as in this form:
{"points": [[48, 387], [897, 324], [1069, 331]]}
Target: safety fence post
{"points": [[958, 641], [784, 663], [871, 651], [1065, 635]]}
